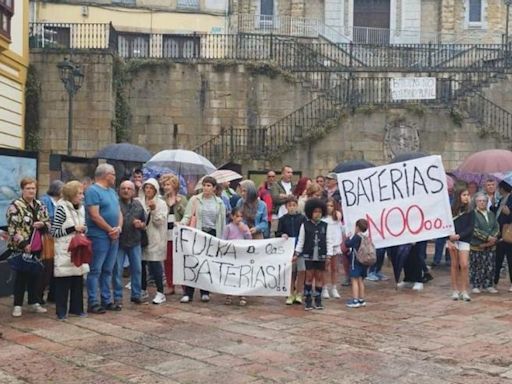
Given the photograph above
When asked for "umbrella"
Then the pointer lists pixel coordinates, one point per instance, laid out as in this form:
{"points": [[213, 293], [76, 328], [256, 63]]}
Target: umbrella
{"points": [[124, 152], [221, 175], [406, 156], [156, 172], [182, 162], [487, 162], [352, 165], [398, 256]]}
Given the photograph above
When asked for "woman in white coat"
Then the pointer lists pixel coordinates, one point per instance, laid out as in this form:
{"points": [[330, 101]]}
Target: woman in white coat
{"points": [[156, 251], [68, 221]]}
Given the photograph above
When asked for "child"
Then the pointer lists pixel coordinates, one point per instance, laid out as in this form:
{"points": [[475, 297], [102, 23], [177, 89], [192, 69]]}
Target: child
{"points": [[315, 245], [289, 226], [333, 220], [357, 270], [236, 230]]}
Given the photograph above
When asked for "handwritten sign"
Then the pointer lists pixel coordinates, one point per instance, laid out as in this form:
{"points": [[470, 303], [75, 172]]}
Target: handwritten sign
{"points": [[413, 88], [234, 267], [403, 202]]}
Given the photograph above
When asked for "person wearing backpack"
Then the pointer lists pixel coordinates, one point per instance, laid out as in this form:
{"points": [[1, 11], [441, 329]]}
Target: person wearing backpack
{"points": [[362, 255]]}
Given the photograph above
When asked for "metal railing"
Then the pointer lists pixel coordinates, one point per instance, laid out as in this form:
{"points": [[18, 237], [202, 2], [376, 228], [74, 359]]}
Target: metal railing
{"points": [[70, 35], [385, 36]]}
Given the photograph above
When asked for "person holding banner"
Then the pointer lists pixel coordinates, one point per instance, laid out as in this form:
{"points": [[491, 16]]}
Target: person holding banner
{"points": [[459, 244], [206, 212], [315, 244]]}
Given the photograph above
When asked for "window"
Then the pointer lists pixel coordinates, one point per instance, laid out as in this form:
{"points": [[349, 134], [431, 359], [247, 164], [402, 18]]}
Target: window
{"points": [[267, 7], [6, 12], [188, 4], [475, 11], [133, 45], [181, 47]]}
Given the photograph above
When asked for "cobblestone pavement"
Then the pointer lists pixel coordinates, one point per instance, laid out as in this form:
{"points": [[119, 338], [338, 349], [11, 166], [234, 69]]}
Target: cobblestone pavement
{"points": [[400, 337]]}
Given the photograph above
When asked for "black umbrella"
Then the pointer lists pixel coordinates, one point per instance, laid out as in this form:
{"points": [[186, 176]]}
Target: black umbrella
{"points": [[408, 156], [124, 152], [398, 256], [352, 165]]}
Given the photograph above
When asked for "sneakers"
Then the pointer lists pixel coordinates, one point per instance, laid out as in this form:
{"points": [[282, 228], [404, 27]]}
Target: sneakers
{"points": [[465, 297], [372, 277], [362, 302], [298, 298], [455, 295], [308, 306], [144, 295], [205, 298], [242, 302], [382, 277], [353, 303], [36, 308], [185, 299], [491, 290], [97, 309], [427, 277], [159, 298], [290, 299], [334, 293], [318, 303], [137, 300], [417, 287], [476, 290], [16, 311], [129, 285], [404, 284], [325, 293]]}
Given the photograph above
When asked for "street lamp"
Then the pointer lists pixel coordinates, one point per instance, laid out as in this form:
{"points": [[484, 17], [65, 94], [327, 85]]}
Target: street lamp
{"points": [[73, 79]]}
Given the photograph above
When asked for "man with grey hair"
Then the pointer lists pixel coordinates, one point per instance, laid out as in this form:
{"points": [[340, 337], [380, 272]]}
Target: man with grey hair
{"points": [[104, 223]]}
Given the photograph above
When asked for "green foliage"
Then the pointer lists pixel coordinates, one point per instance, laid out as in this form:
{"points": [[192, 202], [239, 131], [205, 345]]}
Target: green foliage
{"points": [[32, 99], [416, 109], [122, 119], [457, 116]]}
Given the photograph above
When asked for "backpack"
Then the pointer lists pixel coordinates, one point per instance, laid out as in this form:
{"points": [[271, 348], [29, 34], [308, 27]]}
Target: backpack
{"points": [[366, 254]]}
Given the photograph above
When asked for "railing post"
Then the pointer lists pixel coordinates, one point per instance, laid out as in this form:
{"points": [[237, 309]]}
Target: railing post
{"points": [[271, 46], [350, 51], [232, 143], [430, 54]]}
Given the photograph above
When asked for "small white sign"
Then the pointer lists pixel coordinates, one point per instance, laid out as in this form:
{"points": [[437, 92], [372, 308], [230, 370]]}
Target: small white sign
{"points": [[413, 88]]}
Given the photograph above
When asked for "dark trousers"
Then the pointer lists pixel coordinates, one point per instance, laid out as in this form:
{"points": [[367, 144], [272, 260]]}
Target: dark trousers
{"points": [[503, 250], [155, 270], [189, 291], [413, 266], [69, 289], [25, 282], [46, 281]]}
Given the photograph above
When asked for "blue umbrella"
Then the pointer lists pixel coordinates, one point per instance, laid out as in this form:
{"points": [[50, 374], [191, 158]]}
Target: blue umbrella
{"points": [[124, 152], [155, 172], [352, 165]]}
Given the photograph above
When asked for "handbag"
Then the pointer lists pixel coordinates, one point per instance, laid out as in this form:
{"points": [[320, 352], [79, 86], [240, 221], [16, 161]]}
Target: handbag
{"points": [[506, 233], [144, 241], [80, 248], [48, 251], [36, 243], [20, 261]]}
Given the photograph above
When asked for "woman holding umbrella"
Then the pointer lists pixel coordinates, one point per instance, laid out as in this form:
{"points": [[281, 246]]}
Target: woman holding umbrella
{"points": [[459, 244], [207, 213]]}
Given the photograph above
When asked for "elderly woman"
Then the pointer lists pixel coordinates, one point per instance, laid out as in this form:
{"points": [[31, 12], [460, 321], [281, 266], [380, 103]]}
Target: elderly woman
{"points": [[69, 220], [482, 255], [155, 252], [254, 211], [176, 205], [210, 217], [313, 190], [27, 218]]}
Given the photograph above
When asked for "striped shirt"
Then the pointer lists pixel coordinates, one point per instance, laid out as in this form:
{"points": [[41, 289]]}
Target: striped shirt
{"points": [[58, 221]]}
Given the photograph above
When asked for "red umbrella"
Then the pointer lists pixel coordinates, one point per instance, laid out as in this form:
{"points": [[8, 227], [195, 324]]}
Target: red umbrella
{"points": [[487, 162]]}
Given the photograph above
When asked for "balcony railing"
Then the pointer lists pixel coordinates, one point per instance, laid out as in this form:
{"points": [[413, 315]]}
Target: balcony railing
{"points": [[71, 35]]}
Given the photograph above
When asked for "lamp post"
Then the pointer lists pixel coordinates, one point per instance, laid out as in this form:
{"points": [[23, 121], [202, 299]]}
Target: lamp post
{"points": [[72, 78]]}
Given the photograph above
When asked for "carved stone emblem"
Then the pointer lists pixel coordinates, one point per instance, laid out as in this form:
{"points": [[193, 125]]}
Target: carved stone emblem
{"points": [[400, 138]]}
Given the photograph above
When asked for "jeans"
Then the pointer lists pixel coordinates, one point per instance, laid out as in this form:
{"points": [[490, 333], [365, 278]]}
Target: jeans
{"points": [[439, 250], [375, 268], [134, 255], [155, 270], [104, 256]]}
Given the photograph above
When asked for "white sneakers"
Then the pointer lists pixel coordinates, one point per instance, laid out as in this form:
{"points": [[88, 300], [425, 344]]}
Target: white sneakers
{"points": [[455, 295], [205, 298], [334, 293], [417, 287], [16, 311], [492, 290], [464, 296], [476, 290], [36, 308], [404, 284], [185, 299], [159, 298], [325, 292]]}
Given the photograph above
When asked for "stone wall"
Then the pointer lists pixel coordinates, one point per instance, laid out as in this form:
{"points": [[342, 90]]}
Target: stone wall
{"points": [[373, 136], [183, 105], [94, 107]]}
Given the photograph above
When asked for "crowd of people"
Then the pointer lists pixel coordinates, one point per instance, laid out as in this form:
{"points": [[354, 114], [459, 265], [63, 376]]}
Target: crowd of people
{"points": [[131, 229]]}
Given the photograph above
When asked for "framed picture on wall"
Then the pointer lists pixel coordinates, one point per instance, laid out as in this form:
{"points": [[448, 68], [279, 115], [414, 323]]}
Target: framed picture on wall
{"points": [[68, 168], [15, 165]]}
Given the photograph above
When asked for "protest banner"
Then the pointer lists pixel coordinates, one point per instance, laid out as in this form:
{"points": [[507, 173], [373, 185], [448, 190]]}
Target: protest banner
{"points": [[232, 267], [413, 88], [403, 202]]}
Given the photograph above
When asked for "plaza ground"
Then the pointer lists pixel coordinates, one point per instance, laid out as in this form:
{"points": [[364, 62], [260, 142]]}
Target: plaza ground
{"points": [[400, 337]]}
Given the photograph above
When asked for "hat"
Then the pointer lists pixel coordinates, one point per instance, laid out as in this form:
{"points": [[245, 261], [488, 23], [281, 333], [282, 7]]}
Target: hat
{"points": [[332, 175]]}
